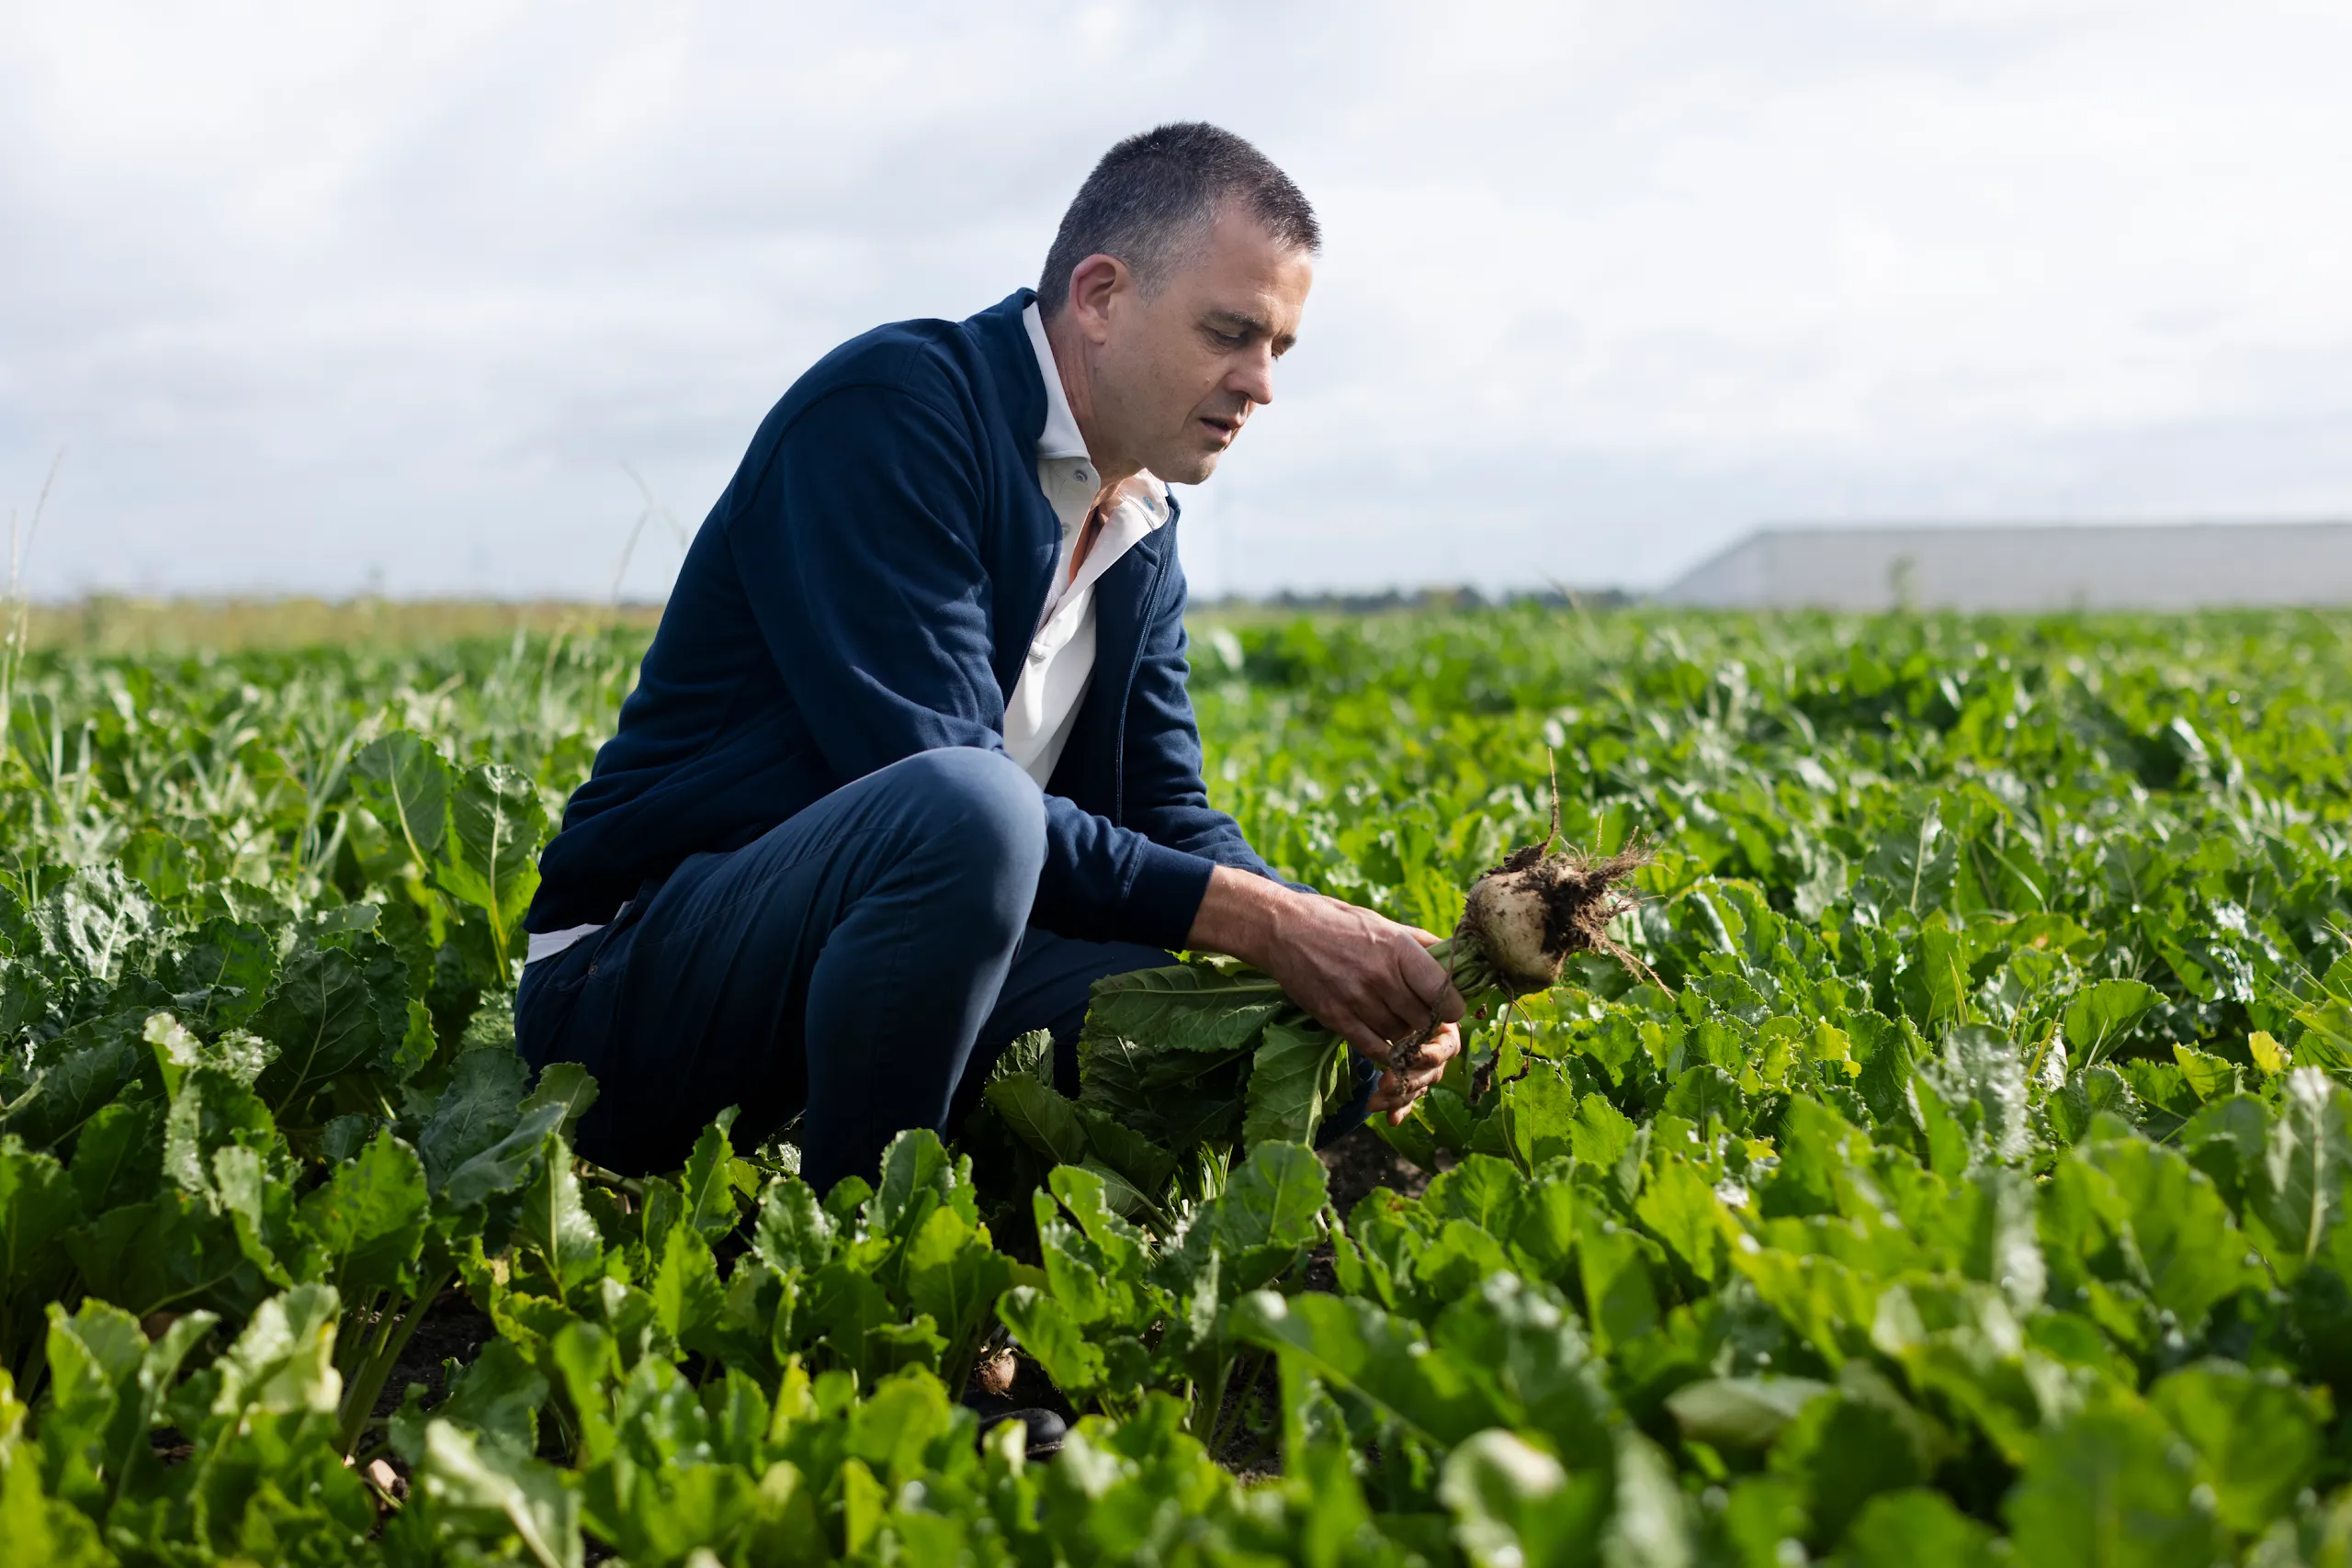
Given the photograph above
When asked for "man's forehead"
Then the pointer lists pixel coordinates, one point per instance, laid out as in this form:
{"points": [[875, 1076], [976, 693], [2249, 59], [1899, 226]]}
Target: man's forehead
{"points": [[1252, 281]]}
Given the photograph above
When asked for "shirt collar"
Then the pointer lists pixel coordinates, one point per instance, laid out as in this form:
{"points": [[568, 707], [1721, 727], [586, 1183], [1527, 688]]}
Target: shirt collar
{"points": [[1060, 437]]}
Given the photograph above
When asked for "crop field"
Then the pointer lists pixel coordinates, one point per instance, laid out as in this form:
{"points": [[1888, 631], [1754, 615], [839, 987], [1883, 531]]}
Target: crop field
{"points": [[1957, 1174]]}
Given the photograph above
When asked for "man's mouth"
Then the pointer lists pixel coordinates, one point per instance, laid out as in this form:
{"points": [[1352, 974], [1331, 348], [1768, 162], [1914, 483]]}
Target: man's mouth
{"points": [[1223, 429]]}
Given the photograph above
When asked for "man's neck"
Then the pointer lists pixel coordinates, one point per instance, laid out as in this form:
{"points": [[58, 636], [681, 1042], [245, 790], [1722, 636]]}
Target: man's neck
{"points": [[1070, 359]]}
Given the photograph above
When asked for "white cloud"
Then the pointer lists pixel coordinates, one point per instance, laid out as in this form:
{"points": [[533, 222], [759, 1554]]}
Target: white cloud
{"points": [[315, 291]]}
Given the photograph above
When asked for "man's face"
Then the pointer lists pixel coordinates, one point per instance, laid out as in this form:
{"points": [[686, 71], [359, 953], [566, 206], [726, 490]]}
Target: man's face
{"points": [[1177, 373]]}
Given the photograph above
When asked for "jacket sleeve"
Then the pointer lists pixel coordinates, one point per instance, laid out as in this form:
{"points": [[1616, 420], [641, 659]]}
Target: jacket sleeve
{"points": [[860, 551], [1162, 793]]}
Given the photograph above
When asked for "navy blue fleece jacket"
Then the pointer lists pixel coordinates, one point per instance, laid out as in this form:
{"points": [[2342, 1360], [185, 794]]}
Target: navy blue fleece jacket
{"points": [[867, 588]]}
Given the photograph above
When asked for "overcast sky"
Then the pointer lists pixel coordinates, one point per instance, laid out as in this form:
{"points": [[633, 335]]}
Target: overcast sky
{"points": [[324, 296]]}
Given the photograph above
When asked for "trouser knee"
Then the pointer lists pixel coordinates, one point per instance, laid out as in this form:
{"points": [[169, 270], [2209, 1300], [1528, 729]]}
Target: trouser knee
{"points": [[982, 821]]}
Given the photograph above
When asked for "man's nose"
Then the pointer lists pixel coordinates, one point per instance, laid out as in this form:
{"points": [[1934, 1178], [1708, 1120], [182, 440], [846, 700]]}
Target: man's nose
{"points": [[1253, 378]]}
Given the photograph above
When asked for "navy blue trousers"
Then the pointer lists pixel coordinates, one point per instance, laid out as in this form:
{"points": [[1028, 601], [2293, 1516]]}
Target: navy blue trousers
{"points": [[862, 964]]}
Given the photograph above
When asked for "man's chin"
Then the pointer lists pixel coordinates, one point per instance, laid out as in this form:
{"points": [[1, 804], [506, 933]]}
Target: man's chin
{"points": [[1193, 469]]}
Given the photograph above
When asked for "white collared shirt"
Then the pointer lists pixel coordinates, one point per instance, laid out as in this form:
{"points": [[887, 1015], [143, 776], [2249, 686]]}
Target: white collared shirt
{"points": [[1045, 701]]}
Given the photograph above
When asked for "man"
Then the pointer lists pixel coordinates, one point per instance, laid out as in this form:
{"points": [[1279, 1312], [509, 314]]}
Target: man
{"points": [[911, 765]]}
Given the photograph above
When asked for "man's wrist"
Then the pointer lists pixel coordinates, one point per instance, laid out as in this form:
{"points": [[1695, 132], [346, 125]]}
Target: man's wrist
{"points": [[1240, 915]]}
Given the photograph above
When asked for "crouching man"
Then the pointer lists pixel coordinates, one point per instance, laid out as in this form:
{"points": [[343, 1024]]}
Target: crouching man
{"points": [[911, 765]]}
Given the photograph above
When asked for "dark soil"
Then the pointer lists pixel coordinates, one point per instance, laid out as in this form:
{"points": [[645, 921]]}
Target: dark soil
{"points": [[454, 1330], [1360, 1161], [1250, 1444], [1355, 1164]]}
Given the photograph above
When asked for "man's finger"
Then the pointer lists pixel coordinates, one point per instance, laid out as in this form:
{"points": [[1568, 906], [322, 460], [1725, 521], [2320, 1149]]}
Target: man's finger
{"points": [[1369, 1041], [1431, 985], [1385, 1019]]}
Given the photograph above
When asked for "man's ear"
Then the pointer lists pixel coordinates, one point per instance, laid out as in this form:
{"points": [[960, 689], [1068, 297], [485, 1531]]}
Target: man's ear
{"points": [[1094, 284]]}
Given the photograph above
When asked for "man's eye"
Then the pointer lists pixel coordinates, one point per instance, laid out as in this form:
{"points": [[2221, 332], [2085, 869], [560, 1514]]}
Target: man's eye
{"points": [[1233, 340]]}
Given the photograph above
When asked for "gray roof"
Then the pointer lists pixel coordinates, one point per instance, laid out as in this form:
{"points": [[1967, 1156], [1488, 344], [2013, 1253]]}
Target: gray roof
{"points": [[2170, 565]]}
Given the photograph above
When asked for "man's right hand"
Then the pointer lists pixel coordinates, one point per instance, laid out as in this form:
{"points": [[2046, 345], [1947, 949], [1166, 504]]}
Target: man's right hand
{"points": [[1363, 976]]}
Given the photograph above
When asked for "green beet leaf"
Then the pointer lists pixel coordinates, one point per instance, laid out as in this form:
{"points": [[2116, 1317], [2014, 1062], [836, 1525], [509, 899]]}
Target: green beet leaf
{"points": [[221, 975], [496, 1399], [1914, 1529], [2191, 1257], [478, 1107], [711, 1180], [2295, 1190], [119, 1158], [2113, 1488], [39, 1204], [491, 857], [403, 779], [2102, 1014], [1521, 1345], [794, 1235], [468, 1489], [1183, 1008], [338, 1010], [689, 1300], [567, 1083], [952, 1276], [1293, 1078], [553, 1231], [1038, 1117], [919, 1174], [1044, 1328], [73, 1078], [1513, 1504], [1744, 1414], [1381, 1357], [2258, 1436], [99, 921], [1859, 1442]]}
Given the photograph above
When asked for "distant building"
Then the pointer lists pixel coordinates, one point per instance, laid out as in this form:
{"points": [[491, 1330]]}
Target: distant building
{"points": [[2174, 566]]}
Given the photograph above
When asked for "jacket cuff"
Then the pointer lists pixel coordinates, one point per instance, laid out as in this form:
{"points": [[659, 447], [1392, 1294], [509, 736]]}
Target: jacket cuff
{"points": [[1165, 894]]}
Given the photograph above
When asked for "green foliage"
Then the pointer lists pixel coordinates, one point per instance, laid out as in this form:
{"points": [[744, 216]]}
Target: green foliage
{"points": [[1963, 1181]]}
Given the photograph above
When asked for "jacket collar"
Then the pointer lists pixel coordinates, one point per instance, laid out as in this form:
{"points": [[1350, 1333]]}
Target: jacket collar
{"points": [[1003, 338], [1060, 438]]}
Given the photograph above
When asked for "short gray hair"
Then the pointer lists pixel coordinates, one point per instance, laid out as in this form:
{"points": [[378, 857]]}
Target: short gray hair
{"points": [[1156, 194]]}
